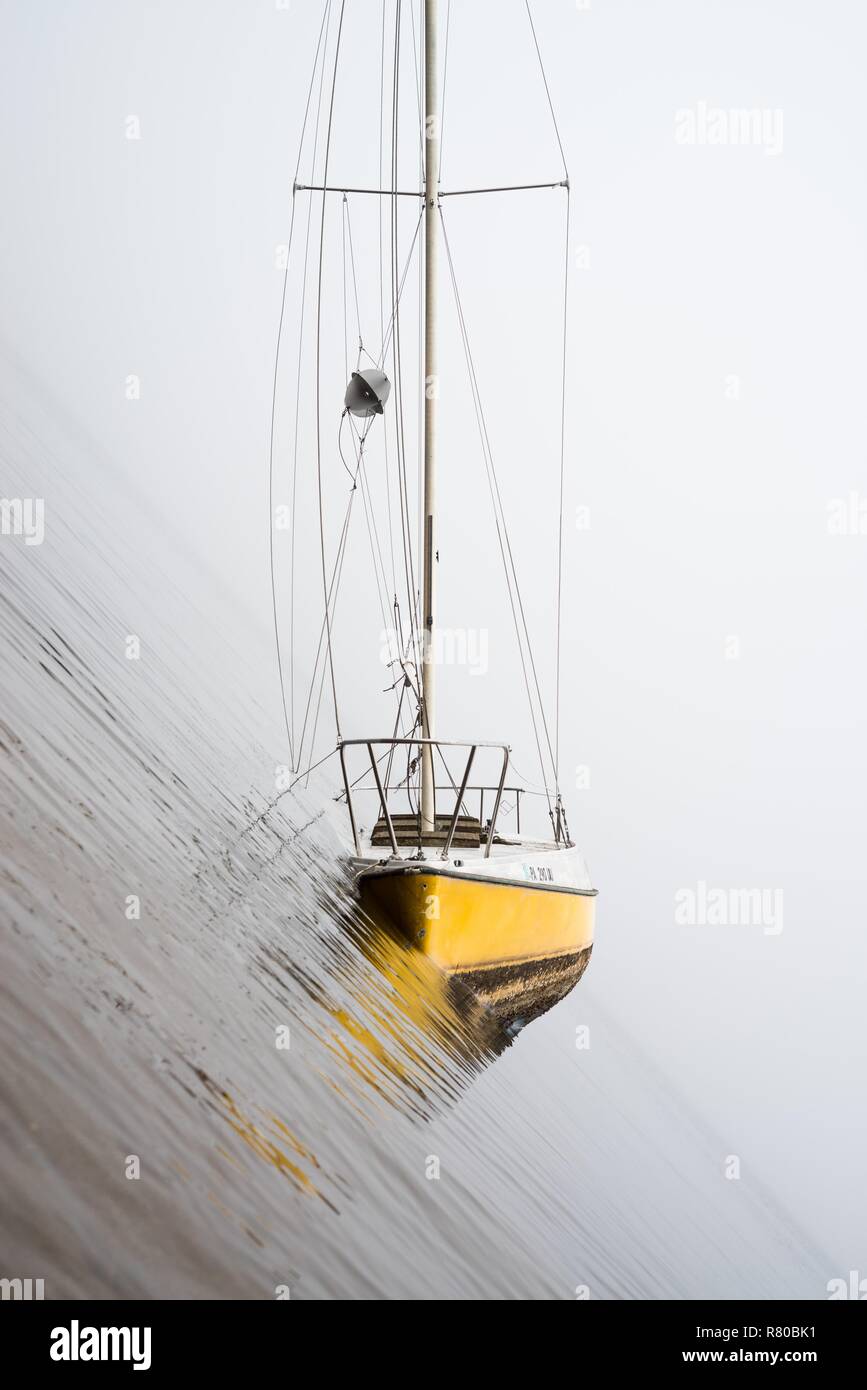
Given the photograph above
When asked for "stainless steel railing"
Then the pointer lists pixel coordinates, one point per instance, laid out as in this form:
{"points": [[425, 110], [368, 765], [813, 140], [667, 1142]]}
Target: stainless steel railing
{"points": [[383, 788]]}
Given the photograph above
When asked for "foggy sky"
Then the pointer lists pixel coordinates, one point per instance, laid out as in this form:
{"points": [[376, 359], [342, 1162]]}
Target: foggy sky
{"points": [[714, 413]]}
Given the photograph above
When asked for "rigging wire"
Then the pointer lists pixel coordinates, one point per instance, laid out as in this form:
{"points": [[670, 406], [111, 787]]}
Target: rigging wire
{"points": [[307, 771], [503, 533], [352, 475], [288, 716], [445, 81], [330, 590], [420, 313], [382, 290], [386, 342], [348, 236], [358, 442], [391, 343], [375, 543], [406, 534], [359, 438], [560, 812], [547, 88], [319, 374], [341, 795], [298, 374], [416, 48], [345, 315], [562, 483], [333, 589]]}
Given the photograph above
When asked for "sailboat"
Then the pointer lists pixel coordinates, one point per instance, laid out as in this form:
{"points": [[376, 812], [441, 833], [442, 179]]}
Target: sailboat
{"points": [[434, 850]]}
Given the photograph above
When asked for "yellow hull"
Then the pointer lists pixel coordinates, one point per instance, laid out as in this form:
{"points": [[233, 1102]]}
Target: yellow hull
{"points": [[470, 925]]}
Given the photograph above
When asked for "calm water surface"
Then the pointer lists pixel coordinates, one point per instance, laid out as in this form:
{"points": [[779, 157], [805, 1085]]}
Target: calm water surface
{"points": [[262, 1166]]}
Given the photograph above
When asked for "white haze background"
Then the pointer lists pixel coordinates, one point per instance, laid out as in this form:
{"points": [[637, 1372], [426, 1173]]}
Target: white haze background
{"points": [[708, 515]]}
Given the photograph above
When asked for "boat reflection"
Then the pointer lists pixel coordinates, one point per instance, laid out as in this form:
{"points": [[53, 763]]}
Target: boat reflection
{"points": [[474, 1015], [393, 1028]]}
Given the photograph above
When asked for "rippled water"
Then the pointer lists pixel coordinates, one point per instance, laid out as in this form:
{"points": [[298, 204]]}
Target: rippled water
{"points": [[261, 1166]]}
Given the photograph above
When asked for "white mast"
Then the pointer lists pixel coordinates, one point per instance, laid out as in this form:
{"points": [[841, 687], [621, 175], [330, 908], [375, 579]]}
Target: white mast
{"points": [[432, 163]]}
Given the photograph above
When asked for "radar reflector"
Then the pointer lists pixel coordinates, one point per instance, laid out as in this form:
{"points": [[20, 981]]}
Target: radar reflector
{"points": [[367, 392]]}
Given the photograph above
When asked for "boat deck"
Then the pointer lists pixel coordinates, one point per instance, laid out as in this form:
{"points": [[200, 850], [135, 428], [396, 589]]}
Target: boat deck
{"points": [[511, 860]]}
